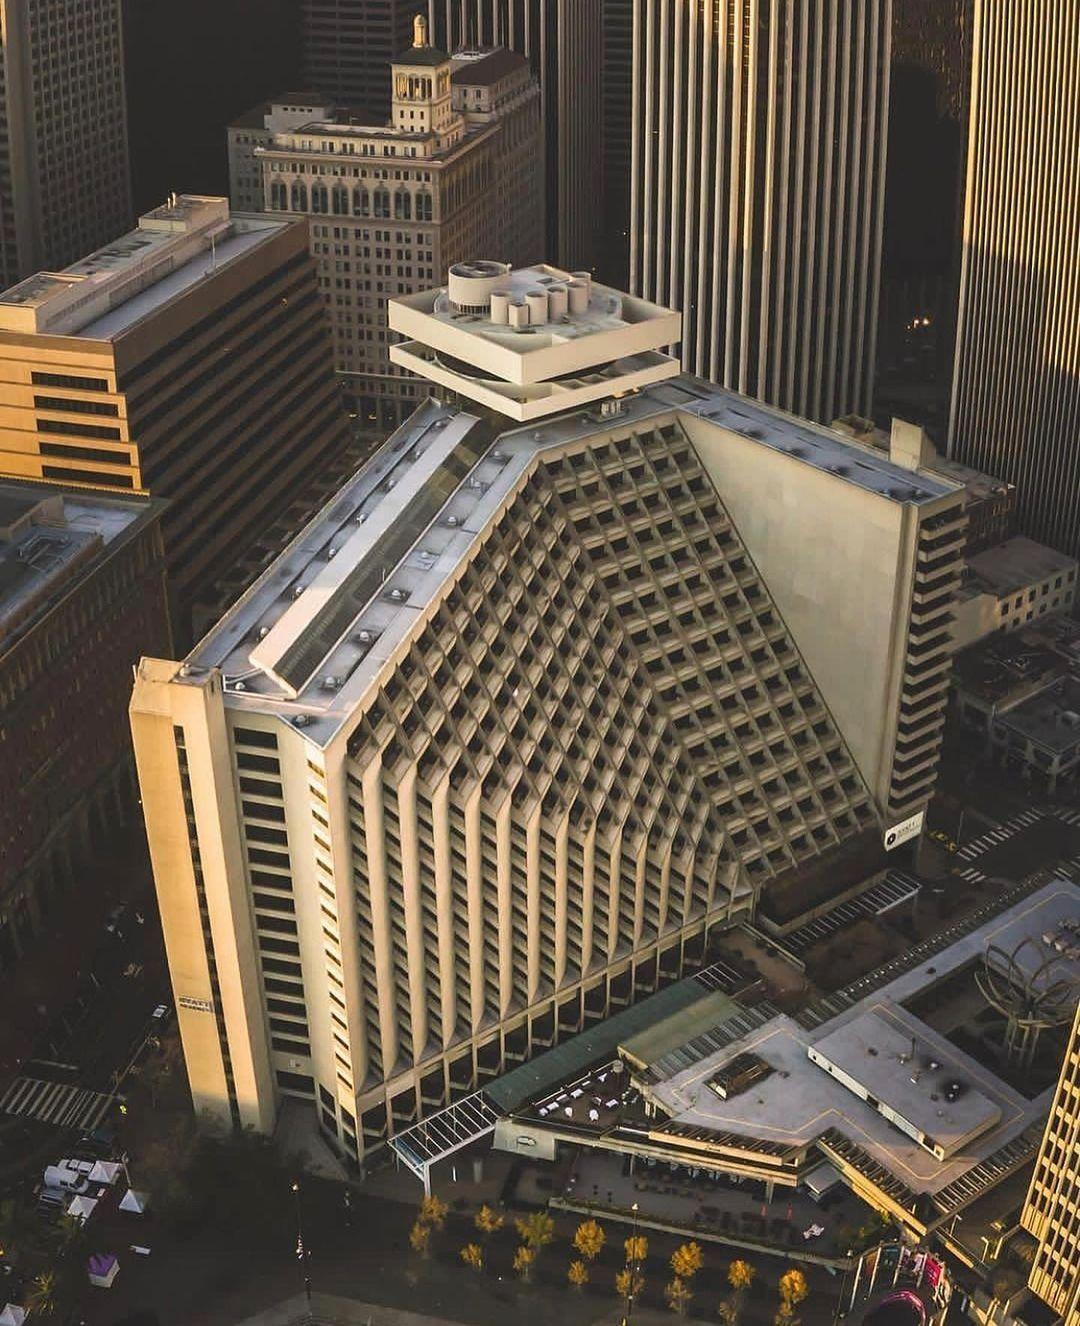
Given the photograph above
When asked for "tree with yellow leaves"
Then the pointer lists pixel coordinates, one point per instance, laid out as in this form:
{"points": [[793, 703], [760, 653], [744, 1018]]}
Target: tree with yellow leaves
{"points": [[433, 1212], [473, 1255], [578, 1274], [678, 1294], [740, 1276], [488, 1222], [523, 1260], [535, 1230], [686, 1261], [589, 1239], [629, 1284], [637, 1248], [793, 1289], [420, 1238]]}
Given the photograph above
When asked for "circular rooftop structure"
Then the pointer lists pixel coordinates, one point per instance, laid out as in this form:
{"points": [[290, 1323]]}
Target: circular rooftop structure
{"points": [[470, 285]]}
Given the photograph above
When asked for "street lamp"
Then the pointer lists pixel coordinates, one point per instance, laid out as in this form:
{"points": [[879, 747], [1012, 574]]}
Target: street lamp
{"points": [[302, 1252], [631, 1268]]}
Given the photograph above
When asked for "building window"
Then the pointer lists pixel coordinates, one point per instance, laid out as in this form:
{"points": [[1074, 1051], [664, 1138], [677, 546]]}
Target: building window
{"points": [[319, 198], [279, 199], [298, 197]]}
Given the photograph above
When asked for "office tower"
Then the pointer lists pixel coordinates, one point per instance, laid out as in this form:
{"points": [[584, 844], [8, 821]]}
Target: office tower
{"points": [[347, 47], [189, 359], [1016, 382], [82, 593], [469, 131], [1052, 1210], [64, 186], [192, 68], [758, 182], [563, 41], [617, 91], [520, 716]]}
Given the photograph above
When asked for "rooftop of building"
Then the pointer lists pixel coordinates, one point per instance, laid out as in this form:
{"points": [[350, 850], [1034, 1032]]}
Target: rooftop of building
{"points": [[483, 68], [105, 294], [48, 536], [1050, 719], [310, 636], [1007, 667], [1016, 564], [800, 1101]]}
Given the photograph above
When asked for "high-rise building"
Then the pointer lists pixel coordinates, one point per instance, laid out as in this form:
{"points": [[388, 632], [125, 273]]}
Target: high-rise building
{"points": [[563, 41], [188, 359], [469, 131], [64, 184], [347, 47], [82, 593], [758, 183], [617, 149], [1016, 382], [559, 681], [1052, 1210]]}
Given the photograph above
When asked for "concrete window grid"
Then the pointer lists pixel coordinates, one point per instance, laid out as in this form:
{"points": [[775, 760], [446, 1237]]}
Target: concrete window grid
{"points": [[526, 699]]}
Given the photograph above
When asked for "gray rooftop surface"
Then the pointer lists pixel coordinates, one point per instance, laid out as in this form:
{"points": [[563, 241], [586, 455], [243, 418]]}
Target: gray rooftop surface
{"points": [[276, 618], [1050, 719], [1017, 563], [800, 1101]]}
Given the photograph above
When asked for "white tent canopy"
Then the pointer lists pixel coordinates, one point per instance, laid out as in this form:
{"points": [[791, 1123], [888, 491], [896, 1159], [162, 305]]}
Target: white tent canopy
{"points": [[135, 1201], [105, 1171], [82, 1208]]}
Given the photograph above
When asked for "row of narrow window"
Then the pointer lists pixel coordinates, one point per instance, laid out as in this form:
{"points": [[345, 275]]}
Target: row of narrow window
{"points": [[401, 205]]}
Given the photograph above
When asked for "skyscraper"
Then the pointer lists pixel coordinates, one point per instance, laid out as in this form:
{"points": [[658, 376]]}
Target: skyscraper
{"points": [[470, 130], [187, 359], [64, 184], [1016, 383], [758, 185], [563, 41], [347, 47], [549, 689], [1052, 1210]]}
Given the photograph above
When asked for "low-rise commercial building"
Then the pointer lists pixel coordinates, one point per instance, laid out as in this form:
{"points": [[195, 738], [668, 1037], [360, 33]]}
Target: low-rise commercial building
{"points": [[190, 360], [458, 170], [1010, 585], [82, 593], [1021, 692]]}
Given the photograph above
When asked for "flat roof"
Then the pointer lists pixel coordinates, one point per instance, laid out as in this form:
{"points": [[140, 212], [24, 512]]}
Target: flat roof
{"points": [[800, 1102], [482, 68], [48, 537], [106, 293], [901, 1062], [1018, 563], [1050, 719], [312, 634]]}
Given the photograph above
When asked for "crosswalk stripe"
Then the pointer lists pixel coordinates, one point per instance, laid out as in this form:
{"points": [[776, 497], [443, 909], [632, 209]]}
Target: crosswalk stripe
{"points": [[61, 1103]]}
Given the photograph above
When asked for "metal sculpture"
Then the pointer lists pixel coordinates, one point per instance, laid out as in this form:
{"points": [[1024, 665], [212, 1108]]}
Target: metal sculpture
{"points": [[1030, 1000]]}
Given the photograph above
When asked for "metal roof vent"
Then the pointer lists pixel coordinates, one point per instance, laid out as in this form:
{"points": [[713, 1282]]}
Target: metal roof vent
{"points": [[398, 595], [363, 637], [239, 686], [360, 517], [498, 456], [331, 552], [331, 683], [389, 483], [301, 720], [297, 590], [453, 521]]}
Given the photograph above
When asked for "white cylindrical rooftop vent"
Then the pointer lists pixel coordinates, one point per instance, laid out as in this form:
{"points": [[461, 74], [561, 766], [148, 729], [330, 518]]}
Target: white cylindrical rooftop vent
{"points": [[586, 280], [537, 301], [500, 305], [579, 296], [558, 302], [470, 284], [519, 315]]}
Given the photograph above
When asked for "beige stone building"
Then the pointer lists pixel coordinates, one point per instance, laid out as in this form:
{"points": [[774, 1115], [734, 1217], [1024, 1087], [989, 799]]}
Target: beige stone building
{"points": [[1052, 1210], [187, 359], [455, 172], [587, 660]]}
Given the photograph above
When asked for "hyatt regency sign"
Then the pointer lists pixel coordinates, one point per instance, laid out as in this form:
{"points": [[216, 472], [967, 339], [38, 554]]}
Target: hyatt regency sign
{"points": [[900, 833]]}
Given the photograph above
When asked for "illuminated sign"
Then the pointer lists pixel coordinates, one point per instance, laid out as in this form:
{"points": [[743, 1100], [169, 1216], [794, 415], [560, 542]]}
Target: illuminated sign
{"points": [[904, 831]]}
